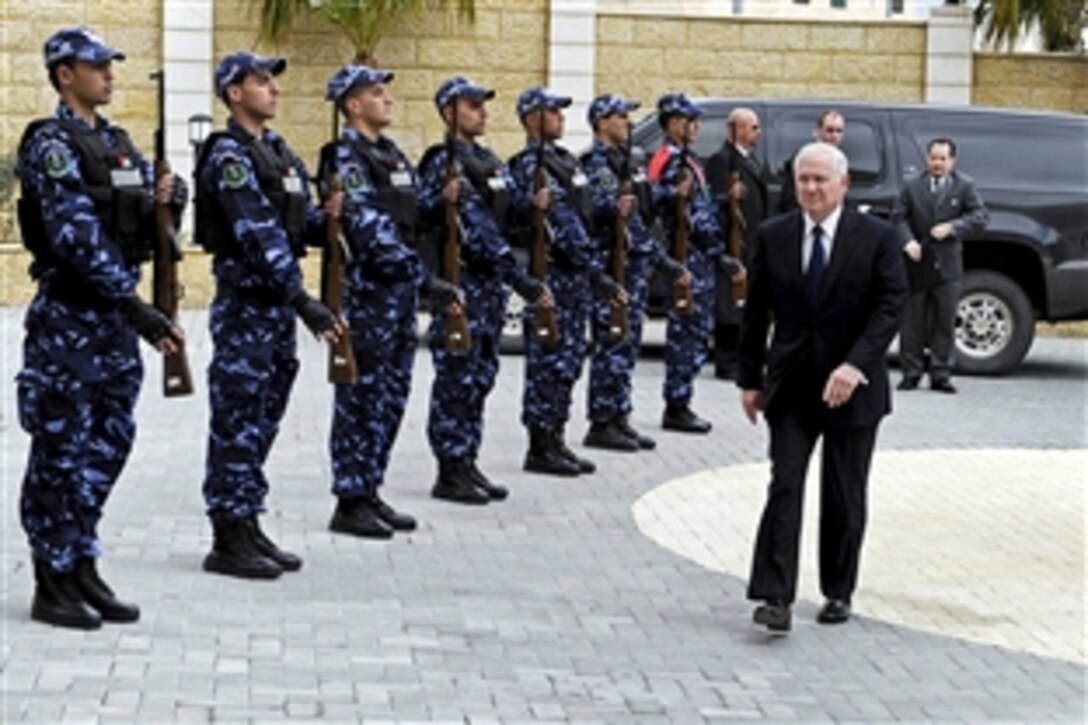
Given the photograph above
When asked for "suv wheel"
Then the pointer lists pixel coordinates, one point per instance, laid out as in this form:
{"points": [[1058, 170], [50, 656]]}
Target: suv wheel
{"points": [[995, 324]]}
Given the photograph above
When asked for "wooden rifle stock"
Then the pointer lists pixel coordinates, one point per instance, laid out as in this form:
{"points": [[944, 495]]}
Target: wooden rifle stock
{"points": [[618, 322], [737, 224], [343, 369], [545, 328], [683, 302], [458, 338], [166, 290]]}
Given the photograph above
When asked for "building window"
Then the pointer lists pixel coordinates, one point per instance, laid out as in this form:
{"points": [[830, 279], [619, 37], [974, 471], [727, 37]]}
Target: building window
{"points": [[896, 7], [800, 2], [838, 3]]}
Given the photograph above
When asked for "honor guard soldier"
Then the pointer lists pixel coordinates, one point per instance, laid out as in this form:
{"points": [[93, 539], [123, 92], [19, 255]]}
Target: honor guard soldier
{"points": [[384, 276], [87, 218], [683, 198], [549, 181], [621, 196], [467, 176], [255, 215]]}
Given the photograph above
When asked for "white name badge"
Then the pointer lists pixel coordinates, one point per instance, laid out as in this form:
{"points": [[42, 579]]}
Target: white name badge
{"points": [[496, 183], [639, 176], [126, 177], [292, 184], [579, 179], [400, 177]]}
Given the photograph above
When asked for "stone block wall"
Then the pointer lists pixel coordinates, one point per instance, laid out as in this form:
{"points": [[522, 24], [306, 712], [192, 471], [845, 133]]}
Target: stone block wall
{"points": [[1042, 82]]}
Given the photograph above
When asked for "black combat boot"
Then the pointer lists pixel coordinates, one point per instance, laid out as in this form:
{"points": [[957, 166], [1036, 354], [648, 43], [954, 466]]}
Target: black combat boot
{"points": [[679, 417], [645, 442], [395, 519], [584, 464], [610, 436], [544, 455], [58, 601], [354, 515], [455, 483], [99, 595], [495, 491], [235, 553], [268, 548]]}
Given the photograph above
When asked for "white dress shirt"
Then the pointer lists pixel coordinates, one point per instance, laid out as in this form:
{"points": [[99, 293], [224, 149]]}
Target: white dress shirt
{"points": [[829, 226]]}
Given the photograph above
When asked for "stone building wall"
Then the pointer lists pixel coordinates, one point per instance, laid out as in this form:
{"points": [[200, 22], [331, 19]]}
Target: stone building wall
{"points": [[1044, 82]]}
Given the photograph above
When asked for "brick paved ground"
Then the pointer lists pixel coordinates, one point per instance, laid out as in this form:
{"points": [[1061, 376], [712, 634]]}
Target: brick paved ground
{"points": [[555, 606]]}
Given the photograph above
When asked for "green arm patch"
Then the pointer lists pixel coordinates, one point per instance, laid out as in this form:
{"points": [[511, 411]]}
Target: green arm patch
{"points": [[234, 175], [58, 160]]}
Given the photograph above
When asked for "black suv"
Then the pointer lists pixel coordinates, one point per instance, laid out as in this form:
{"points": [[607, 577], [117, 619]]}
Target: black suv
{"points": [[1030, 263]]}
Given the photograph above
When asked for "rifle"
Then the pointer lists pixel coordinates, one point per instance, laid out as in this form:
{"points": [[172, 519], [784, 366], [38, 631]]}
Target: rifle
{"points": [[618, 323], [166, 291], [342, 367], [458, 338], [683, 303], [737, 224], [545, 329]]}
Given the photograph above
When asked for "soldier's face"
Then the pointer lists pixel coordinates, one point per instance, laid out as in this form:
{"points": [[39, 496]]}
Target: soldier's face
{"points": [[257, 95], [820, 189], [614, 128], [375, 105], [939, 160], [472, 117], [553, 124], [91, 85]]}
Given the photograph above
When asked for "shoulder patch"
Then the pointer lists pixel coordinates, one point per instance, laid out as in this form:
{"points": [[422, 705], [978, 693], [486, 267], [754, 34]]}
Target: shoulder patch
{"points": [[234, 174], [355, 181], [57, 159], [607, 179]]}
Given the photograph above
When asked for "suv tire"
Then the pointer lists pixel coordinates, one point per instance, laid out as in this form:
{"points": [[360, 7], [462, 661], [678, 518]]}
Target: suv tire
{"points": [[995, 324]]}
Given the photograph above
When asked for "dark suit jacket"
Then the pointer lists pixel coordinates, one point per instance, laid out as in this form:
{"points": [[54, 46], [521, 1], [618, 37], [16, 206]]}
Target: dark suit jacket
{"points": [[854, 320], [753, 205], [918, 209]]}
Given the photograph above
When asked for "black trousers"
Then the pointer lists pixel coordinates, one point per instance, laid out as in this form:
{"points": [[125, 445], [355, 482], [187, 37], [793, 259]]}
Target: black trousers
{"points": [[929, 320], [844, 474]]}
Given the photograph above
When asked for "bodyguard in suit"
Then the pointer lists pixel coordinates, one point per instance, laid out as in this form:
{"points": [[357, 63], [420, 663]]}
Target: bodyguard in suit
{"points": [[736, 156], [933, 213], [832, 280]]}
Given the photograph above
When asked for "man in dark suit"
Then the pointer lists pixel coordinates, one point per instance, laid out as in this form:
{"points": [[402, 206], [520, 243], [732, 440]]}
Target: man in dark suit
{"points": [[933, 213], [832, 281], [831, 129], [736, 156]]}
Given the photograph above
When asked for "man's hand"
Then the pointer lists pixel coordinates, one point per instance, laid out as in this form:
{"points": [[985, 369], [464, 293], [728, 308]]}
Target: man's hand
{"points": [[318, 318], [625, 205], [153, 326], [751, 401], [841, 385], [683, 189], [334, 205], [451, 192], [737, 190], [940, 231], [741, 275], [164, 188], [546, 301], [913, 250], [542, 199]]}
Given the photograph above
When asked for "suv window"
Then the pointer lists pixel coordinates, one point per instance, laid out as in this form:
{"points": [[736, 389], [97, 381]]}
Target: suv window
{"points": [[863, 143], [1005, 151]]}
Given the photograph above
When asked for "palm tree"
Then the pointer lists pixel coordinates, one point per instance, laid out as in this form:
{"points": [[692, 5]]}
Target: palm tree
{"points": [[1060, 22], [364, 22]]}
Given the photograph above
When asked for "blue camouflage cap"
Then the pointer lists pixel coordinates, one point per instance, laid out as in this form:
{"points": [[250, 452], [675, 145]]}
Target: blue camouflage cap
{"points": [[461, 87], [540, 97], [236, 66], [678, 104], [78, 44], [351, 76], [604, 106]]}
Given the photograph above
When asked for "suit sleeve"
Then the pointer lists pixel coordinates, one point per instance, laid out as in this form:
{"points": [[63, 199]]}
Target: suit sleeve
{"points": [[901, 214], [788, 200], [755, 323], [975, 217], [889, 296]]}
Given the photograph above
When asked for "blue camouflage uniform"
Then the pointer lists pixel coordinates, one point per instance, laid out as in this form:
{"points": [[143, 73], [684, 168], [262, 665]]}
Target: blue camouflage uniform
{"points": [[551, 372], [81, 370], [252, 320], [463, 380], [688, 335], [384, 274]]}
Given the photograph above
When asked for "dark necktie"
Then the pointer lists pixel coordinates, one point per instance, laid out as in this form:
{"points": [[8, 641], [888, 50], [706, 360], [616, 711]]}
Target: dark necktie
{"points": [[814, 276]]}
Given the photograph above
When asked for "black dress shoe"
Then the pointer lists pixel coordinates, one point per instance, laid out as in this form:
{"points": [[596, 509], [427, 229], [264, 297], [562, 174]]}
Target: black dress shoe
{"points": [[267, 547], [834, 611], [610, 436], [98, 594], [396, 520], [645, 442], [679, 417], [493, 490], [356, 517], [456, 484], [943, 386], [235, 553], [907, 384], [774, 615], [58, 600]]}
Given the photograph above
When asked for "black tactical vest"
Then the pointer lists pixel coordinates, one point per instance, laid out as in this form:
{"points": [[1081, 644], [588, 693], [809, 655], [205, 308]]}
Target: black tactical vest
{"points": [[563, 166], [279, 180], [389, 172], [114, 183], [640, 183]]}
